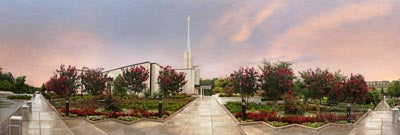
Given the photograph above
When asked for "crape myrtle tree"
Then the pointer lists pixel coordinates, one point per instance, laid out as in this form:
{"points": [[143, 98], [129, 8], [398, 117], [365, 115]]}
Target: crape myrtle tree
{"points": [[170, 81], [319, 83], [64, 82], [276, 79], [245, 82], [355, 89], [94, 80], [335, 93], [134, 79], [118, 87]]}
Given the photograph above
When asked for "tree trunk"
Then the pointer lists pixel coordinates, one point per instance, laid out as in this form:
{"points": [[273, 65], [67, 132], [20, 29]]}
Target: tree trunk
{"points": [[318, 103], [275, 105]]}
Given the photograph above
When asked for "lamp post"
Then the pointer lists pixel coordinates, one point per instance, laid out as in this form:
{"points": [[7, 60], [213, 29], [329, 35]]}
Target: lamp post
{"points": [[348, 113], [160, 111], [67, 106], [243, 103], [48, 95]]}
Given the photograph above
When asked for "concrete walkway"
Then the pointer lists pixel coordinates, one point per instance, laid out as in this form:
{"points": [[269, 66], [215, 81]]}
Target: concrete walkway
{"points": [[203, 117], [377, 123], [43, 120]]}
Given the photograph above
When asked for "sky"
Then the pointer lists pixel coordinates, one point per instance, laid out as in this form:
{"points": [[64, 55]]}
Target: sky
{"points": [[354, 36]]}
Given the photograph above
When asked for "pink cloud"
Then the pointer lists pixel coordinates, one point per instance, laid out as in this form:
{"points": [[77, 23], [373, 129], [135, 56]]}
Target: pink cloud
{"points": [[340, 39], [37, 62], [248, 23]]}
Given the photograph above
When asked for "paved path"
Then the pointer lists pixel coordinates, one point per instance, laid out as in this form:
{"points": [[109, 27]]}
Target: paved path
{"points": [[203, 117], [377, 123], [43, 120]]}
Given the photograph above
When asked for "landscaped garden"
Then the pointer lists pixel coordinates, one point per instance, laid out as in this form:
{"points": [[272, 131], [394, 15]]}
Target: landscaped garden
{"points": [[394, 94], [128, 109], [128, 100], [313, 99]]}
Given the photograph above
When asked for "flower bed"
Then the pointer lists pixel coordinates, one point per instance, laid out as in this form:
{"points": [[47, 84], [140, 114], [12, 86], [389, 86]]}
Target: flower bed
{"points": [[96, 118], [130, 110], [262, 112], [293, 119], [127, 118]]}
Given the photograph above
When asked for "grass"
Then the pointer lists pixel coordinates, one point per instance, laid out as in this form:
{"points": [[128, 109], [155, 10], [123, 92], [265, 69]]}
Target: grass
{"points": [[251, 107], [314, 124], [277, 123], [19, 97]]}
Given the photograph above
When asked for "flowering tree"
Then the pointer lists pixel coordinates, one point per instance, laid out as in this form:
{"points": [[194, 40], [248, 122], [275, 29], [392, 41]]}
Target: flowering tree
{"points": [[64, 81], [319, 83], [276, 79], [336, 91], [245, 82], [170, 81], [355, 89], [135, 78], [94, 81]]}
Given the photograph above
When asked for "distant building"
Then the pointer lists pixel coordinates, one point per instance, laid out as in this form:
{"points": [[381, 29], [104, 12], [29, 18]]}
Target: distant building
{"points": [[378, 85]]}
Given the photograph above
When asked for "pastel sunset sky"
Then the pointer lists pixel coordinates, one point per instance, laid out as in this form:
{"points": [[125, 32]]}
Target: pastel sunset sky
{"points": [[356, 36]]}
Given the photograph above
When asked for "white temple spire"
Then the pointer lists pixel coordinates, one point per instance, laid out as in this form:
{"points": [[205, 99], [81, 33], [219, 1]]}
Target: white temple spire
{"points": [[188, 34], [188, 53]]}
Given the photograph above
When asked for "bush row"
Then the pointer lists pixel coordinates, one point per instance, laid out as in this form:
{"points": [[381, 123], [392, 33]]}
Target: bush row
{"points": [[299, 119], [19, 97], [132, 113]]}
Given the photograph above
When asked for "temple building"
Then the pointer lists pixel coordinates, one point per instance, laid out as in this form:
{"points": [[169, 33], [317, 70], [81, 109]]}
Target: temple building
{"points": [[192, 72]]}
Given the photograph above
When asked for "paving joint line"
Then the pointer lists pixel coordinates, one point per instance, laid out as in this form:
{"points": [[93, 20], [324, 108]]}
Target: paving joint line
{"points": [[212, 123]]}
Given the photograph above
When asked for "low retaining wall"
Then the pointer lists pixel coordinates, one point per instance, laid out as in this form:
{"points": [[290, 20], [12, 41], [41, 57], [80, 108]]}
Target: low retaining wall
{"points": [[224, 100], [4, 124]]}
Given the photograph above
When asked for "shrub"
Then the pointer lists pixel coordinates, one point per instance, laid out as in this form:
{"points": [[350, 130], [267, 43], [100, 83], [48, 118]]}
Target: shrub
{"points": [[237, 107], [373, 98], [228, 95], [392, 102], [394, 89], [147, 114], [147, 93], [291, 106], [259, 116], [112, 103], [19, 97], [82, 111], [299, 119]]}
